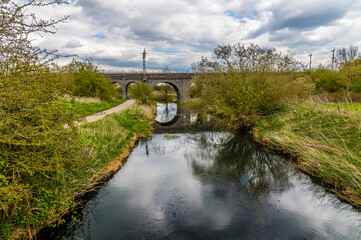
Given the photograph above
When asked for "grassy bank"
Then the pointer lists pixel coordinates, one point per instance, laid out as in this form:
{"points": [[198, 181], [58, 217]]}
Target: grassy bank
{"points": [[325, 140], [83, 109], [44, 200]]}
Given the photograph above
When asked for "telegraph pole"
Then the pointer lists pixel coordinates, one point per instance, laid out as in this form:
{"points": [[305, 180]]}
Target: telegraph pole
{"points": [[333, 57], [144, 67], [310, 60]]}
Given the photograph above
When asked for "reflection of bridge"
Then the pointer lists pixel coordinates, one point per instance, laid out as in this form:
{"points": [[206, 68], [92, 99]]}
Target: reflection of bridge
{"points": [[169, 121], [177, 80]]}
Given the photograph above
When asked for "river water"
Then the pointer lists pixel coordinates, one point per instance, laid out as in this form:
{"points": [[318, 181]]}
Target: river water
{"points": [[202, 184]]}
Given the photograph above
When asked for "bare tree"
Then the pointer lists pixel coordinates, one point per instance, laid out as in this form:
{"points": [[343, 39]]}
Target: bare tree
{"points": [[346, 54], [352, 52], [16, 25]]}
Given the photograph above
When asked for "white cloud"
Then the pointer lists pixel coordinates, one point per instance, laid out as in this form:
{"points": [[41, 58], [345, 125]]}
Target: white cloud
{"points": [[193, 28]]}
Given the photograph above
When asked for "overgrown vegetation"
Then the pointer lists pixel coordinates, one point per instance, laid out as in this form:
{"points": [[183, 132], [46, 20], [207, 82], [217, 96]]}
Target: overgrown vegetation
{"points": [[346, 79], [83, 78], [256, 87], [241, 82], [141, 91], [164, 93], [46, 186], [344, 82], [42, 163], [325, 138]]}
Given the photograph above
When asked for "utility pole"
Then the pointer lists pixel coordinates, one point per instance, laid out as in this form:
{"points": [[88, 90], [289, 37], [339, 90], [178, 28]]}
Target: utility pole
{"points": [[310, 60], [144, 67], [333, 57]]}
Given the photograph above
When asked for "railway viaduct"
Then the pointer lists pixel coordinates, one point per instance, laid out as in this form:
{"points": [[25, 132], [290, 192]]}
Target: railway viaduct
{"points": [[179, 81]]}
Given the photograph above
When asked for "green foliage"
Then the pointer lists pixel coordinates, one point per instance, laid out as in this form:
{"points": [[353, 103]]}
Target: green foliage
{"points": [[41, 161], [164, 92], [352, 73], [110, 136], [242, 82], [141, 91], [326, 138], [86, 80], [36, 150], [328, 80]]}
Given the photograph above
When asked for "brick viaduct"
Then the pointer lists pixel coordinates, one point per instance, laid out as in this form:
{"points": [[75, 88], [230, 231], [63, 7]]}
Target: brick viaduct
{"points": [[177, 80]]}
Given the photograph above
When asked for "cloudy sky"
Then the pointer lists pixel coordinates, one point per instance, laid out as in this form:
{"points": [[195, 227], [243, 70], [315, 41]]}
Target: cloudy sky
{"points": [[177, 33]]}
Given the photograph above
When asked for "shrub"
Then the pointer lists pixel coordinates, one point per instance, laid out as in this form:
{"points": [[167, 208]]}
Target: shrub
{"points": [[242, 82], [351, 71], [86, 80], [328, 80], [142, 91]]}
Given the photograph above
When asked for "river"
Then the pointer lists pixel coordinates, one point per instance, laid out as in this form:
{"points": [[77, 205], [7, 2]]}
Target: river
{"points": [[208, 184]]}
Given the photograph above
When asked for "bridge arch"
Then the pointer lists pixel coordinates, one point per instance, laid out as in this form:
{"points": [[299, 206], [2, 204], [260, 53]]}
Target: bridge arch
{"points": [[127, 86], [174, 86], [177, 80]]}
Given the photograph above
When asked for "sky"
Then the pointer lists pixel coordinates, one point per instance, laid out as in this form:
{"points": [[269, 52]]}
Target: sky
{"points": [[177, 33]]}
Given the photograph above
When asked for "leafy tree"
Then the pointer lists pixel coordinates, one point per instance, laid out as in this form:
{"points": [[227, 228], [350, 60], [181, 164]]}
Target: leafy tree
{"points": [[141, 91], [351, 71], [37, 153], [85, 79], [241, 82]]}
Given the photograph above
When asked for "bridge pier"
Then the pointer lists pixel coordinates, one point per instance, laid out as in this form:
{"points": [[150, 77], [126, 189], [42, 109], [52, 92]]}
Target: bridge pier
{"points": [[124, 91]]}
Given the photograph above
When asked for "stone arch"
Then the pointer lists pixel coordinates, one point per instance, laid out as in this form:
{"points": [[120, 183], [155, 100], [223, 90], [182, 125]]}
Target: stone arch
{"points": [[173, 85], [125, 86]]}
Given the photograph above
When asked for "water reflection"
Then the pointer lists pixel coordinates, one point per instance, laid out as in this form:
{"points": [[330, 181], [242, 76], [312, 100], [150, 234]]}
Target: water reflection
{"points": [[211, 185], [166, 113], [258, 170]]}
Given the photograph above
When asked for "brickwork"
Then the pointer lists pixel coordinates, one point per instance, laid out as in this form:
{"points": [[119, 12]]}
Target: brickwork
{"points": [[177, 80]]}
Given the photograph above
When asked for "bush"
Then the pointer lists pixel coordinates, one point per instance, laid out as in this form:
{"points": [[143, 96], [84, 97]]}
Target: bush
{"points": [[86, 80], [352, 73], [141, 91], [37, 154], [240, 83], [328, 80]]}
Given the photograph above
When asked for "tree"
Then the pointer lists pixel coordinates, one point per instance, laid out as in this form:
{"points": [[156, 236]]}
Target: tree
{"points": [[142, 91], [36, 150], [241, 82], [86, 80], [16, 25], [344, 55]]}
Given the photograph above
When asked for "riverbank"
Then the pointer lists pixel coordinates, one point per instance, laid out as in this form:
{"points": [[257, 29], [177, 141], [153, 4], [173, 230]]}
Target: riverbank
{"points": [[105, 144], [324, 141]]}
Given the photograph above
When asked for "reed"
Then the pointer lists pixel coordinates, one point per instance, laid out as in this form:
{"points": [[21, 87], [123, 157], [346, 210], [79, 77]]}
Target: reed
{"points": [[324, 138]]}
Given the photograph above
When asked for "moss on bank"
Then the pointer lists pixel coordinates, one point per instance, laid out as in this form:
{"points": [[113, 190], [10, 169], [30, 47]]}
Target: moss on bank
{"points": [[104, 143], [324, 138]]}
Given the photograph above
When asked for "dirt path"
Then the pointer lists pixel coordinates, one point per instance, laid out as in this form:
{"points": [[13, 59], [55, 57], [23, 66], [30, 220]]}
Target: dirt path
{"points": [[97, 116]]}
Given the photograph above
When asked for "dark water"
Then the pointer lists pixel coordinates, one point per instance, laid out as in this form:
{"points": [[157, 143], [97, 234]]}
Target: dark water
{"points": [[210, 185]]}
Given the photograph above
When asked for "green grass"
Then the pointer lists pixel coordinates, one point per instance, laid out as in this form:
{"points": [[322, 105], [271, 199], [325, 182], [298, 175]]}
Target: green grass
{"points": [[325, 138], [83, 109], [39, 200], [108, 137]]}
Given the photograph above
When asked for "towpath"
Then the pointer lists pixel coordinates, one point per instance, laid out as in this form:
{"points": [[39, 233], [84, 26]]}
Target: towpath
{"points": [[100, 115]]}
